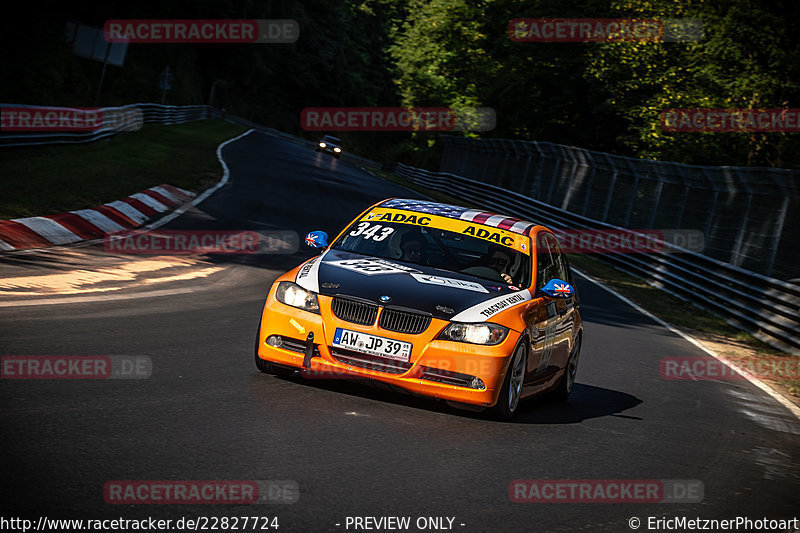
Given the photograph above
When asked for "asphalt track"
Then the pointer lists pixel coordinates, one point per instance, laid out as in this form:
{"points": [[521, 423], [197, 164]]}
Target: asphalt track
{"points": [[207, 413]]}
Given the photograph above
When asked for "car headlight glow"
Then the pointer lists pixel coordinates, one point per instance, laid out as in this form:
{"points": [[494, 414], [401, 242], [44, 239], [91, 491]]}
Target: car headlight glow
{"points": [[485, 333], [322, 145], [337, 149], [296, 296]]}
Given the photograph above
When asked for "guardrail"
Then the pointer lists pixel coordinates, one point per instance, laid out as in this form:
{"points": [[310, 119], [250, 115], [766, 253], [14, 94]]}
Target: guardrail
{"points": [[112, 120], [131, 117], [766, 307], [347, 156], [750, 216]]}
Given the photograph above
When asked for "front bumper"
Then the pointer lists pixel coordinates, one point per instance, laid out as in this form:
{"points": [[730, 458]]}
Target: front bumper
{"points": [[436, 368]]}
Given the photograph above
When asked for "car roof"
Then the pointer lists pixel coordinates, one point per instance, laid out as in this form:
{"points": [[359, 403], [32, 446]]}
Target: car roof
{"points": [[515, 225]]}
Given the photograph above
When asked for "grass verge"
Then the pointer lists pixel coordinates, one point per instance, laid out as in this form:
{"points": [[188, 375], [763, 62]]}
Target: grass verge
{"points": [[768, 364], [46, 180]]}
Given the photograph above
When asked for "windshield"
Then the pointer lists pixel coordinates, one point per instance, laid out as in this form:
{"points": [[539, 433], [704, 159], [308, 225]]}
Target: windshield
{"points": [[437, 248]]}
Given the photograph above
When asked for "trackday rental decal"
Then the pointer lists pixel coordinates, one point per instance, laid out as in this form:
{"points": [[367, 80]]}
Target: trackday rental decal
{"points": [[449, 282], [487, 309], [308, 275]]}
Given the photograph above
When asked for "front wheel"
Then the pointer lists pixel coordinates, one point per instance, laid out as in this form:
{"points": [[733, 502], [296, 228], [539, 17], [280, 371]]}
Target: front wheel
{"points": [[567, 382], [510, 394]]}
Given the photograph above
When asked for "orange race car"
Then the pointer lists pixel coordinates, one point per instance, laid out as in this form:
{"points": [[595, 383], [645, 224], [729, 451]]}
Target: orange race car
{"points": [[471, 307]]}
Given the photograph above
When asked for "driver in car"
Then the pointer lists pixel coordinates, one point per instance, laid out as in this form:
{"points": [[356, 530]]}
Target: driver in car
{"points": [[499, 260], [412, 245]]}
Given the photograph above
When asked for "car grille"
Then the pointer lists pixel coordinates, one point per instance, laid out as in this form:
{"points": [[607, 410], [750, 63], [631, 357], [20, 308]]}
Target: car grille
{"points": [[446, 377], [296, 345], [404, 321], [354, 311], [370, 362]]}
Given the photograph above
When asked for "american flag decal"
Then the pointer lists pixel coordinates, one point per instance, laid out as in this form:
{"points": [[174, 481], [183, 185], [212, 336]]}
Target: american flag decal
{"points": [[511, 224]]}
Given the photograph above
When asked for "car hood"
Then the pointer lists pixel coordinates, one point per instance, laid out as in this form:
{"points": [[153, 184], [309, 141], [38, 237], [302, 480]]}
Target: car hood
{"points": [[444, 294]]}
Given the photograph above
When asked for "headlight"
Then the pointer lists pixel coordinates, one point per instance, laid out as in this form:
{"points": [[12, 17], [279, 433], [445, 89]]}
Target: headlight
{"points": [[296, 296], [474, 333], [322, 145], [337, 149]]}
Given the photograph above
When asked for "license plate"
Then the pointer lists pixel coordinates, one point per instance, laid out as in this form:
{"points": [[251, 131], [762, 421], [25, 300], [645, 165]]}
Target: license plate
{"points": [[372, 344]]}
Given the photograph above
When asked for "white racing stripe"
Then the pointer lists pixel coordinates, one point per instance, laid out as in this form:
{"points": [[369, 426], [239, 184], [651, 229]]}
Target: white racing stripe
{"points": [[308, 275], [487, 309], [149, 200], [777, 396], [99, 219], [521, 226], [49, 229], [205, 194], [128, 210], [165, 193]]}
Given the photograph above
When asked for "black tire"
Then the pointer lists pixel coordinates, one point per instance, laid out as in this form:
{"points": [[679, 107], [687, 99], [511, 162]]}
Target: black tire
{"points": [[567, 382], [509, 398], [265, 366]]}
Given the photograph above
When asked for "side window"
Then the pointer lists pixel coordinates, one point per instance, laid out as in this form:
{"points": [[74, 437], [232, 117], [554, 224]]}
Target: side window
{"points": [[562, 268], [545, 267]]}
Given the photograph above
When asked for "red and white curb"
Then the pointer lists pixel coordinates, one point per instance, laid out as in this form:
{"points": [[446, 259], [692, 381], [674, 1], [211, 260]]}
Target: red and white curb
{"points": [[85, 224]]}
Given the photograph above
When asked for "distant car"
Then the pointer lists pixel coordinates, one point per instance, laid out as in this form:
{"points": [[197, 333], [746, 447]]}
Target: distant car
{"points": [[332, 144], [447, 302]]}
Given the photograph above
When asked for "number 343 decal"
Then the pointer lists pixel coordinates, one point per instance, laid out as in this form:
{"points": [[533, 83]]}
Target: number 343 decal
{"points": [[376, 232]]}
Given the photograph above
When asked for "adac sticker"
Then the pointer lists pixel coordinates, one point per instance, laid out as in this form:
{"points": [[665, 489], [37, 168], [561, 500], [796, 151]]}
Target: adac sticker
{"points": [[499, 236]]}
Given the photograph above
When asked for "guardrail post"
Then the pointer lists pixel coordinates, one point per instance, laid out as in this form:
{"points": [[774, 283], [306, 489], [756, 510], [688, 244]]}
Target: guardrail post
{"points": [[556, 168], [776, 241], [659, 186], [684, 195], [632, 200], [610, 195], [736, 252], [526, 172], [710, 217], [589, 184]]}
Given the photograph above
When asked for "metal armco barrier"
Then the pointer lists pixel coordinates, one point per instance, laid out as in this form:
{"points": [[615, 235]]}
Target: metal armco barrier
{"points": [[114, 120], [347, 156], [132, 117], [750, 217], [766, 307]]}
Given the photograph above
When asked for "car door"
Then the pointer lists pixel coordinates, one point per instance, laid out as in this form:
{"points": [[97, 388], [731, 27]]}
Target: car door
{"points": [[564, 331], [543, 319]]}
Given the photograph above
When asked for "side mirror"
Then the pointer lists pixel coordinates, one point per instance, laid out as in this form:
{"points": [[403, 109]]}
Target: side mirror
{"points": [[317, 239], [557, 288]]}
